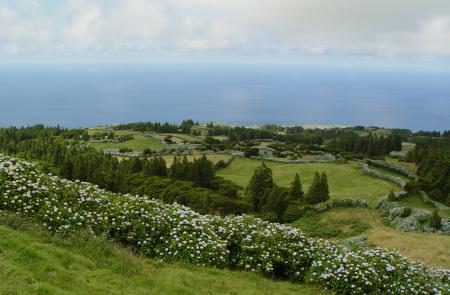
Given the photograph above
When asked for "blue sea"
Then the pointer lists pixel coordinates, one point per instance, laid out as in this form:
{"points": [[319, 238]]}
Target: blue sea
{"points": [[79, 95]]}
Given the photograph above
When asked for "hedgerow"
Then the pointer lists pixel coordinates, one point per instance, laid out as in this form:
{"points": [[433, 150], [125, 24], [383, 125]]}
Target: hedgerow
{"points": [[394, 179], [176, 233], [392, 167]]}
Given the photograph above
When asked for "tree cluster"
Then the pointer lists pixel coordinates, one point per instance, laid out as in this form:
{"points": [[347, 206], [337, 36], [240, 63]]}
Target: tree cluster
{"points": [[277, 203]]}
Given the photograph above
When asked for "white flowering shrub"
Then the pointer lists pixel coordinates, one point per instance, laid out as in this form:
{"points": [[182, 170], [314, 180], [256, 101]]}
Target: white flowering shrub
{"points": [[176, 233], [406, 219], [362, 272], [355, 242], [340, 203]]}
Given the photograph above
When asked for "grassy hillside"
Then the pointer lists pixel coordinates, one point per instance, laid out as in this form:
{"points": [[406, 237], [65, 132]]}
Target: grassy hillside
{"points": [[429, 248], [345, 180], [33, 262]]}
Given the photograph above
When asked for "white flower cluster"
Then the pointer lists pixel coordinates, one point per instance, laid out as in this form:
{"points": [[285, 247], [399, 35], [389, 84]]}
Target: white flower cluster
{"points": [[406, 219], [340, 203], [176, 233], [394, 179]]}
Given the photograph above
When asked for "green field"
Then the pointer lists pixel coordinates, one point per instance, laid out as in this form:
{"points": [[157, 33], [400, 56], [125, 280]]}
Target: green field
{"points": [[33, 262], [344, 180], [139, 142], [338, 223]]}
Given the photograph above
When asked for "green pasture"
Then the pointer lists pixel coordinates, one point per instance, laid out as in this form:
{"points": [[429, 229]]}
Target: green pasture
{"points": [[344, 180], [139, 143]]}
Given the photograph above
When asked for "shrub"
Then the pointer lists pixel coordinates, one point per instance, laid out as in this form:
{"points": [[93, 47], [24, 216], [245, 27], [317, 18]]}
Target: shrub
{"points": [[436, 220], [406, 212], [293, 212]]}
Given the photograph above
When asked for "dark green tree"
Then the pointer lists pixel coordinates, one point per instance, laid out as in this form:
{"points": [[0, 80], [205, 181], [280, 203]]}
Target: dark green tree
{"points": [[277, 201], [296, 192], [259, 186], [436, 220], [318, 191], [325, 195], [147, 152]]}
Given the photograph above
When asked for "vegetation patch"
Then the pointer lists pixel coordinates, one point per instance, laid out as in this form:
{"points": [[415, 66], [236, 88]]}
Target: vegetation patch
{"points": [[176, 233]]}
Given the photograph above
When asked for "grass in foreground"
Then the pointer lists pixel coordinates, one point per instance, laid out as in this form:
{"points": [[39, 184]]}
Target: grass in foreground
{"points": [[33, 262], [429, 248], [344, 180]]}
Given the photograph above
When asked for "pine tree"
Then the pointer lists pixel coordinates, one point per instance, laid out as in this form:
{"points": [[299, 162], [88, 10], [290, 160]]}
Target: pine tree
{"points": [[318, 191], [175, 169], [436, 220], [296, 192], [259, 186], [314, 192], [186, 169], [325, 192], [203, 172], [277, 202]]}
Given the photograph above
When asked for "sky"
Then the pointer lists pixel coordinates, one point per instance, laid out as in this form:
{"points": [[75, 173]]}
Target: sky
{"points": [[408, 31]]}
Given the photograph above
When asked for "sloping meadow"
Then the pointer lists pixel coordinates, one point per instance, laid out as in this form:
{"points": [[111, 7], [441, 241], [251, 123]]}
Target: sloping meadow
{"points": [[171, 232]]}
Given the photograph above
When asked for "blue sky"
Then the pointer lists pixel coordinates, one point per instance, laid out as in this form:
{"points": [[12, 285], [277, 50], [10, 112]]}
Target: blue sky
{"points": [[391, 31]]}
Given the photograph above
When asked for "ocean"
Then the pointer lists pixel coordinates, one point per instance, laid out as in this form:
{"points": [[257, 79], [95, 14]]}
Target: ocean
{"points": [[87, 94]]}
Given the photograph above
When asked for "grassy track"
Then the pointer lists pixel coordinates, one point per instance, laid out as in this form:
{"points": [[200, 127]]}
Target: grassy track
{"points": [[429, 248], [33, 262], [345, 180]]}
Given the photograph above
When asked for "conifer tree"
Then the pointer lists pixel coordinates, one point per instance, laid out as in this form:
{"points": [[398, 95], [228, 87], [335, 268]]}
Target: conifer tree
{"points": [[277, 202], [325, 192], [314, 192], [175, 169], [296, 192], [203, 172], [318, 191], [259, 186], [436, 220]]}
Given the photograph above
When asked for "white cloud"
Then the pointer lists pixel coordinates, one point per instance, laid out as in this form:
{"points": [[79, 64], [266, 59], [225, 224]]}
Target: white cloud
{"points": [[124, 21], [227, 27], [434, 36]]}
